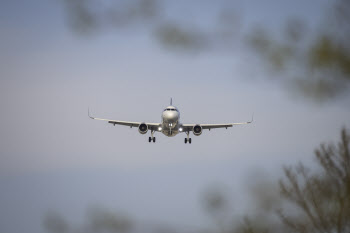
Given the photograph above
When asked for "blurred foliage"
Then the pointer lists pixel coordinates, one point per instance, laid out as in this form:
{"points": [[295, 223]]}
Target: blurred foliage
{"points": [[215, 202], [99, 220], [217, 205], [303, 201], [54, 223], [313, 61], [323, 199], [316, 63], [89, 16], [308, 201], [174, 37]]}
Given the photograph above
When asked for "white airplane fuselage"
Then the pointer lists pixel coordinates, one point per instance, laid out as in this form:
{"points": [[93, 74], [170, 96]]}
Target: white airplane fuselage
{"points": [[170, 121]]}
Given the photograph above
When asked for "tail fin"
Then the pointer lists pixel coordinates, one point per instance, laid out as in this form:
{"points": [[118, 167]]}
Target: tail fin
{"points": [[171, 101]]}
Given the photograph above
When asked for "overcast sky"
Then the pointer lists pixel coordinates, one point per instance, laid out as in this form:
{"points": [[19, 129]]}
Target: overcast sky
{"points": [[53, 157]]}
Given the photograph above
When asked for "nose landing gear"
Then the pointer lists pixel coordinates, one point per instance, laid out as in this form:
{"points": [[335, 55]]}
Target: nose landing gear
{"points": [[188, 139]]}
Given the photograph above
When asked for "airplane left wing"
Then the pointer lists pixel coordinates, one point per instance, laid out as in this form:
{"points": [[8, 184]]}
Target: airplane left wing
{"points": [[189, 127]]}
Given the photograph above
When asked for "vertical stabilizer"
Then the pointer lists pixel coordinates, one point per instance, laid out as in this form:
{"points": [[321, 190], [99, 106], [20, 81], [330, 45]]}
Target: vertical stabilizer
{"points": [[171, 101]]}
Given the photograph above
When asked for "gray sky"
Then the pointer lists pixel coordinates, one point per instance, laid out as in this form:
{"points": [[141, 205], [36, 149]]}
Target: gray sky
{"points": [[53, 157]]}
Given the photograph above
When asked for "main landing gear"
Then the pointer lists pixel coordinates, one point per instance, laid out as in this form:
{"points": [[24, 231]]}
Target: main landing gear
{"points": [[152, 138], [188, 139]]}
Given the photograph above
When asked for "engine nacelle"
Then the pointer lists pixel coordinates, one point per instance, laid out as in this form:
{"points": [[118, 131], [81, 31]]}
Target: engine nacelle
{"points": [[143, 128], [197, 130]]}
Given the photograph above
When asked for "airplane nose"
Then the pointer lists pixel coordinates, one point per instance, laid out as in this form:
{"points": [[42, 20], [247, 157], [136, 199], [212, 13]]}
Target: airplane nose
{"points": [[171, 116]]}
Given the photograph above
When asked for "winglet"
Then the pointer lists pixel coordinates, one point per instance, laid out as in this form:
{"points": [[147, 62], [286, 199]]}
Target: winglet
{"points": [[89, 114], [252, 119]]}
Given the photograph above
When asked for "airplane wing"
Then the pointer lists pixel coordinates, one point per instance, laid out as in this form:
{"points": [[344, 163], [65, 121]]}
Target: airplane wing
{"points": [[151, 126], [189, 127]]}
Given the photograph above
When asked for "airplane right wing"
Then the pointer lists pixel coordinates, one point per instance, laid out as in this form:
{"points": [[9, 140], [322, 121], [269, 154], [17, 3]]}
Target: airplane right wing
{"points": [[151, 126]]}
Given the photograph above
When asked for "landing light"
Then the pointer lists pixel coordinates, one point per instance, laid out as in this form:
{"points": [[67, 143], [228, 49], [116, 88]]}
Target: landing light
{"points": [[180, 129], [160, 128]]}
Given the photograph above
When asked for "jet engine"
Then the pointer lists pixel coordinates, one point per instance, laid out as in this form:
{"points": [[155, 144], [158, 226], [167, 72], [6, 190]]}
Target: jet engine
{"points": [[143, 128], [197, 130]]}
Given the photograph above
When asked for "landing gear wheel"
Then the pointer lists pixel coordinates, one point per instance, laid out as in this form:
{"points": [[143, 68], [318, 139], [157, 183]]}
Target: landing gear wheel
{"points": [[185, 140], [149, 139], [190, 140], [154, 139]]}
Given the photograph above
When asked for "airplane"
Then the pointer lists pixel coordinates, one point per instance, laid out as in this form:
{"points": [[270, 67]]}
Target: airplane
{"points": [[170, 125]]}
